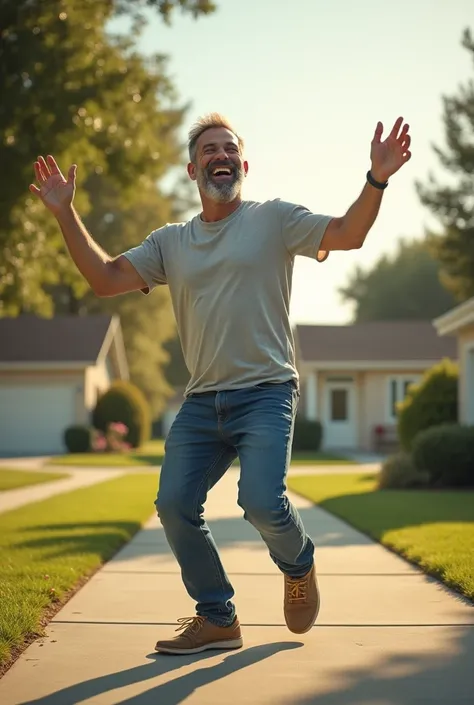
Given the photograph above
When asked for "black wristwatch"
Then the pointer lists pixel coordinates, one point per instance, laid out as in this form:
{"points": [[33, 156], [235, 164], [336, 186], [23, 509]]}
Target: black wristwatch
{"points": [[376, 184]]}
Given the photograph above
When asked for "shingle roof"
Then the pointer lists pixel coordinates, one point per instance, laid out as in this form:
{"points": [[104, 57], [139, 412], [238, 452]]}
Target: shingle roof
{"points": [[382, 341], [60, 339]]}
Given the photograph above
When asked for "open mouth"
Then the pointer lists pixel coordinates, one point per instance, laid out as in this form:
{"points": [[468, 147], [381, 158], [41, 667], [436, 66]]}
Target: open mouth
{"points": [[223, 173]]}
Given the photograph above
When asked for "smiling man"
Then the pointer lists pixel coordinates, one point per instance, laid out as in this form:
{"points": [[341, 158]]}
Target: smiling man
{"points": [[229, 270]]}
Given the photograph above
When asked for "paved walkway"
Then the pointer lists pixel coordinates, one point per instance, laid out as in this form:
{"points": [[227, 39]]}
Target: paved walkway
{"points": [[35, 463], [386, 634], [12, 499]]}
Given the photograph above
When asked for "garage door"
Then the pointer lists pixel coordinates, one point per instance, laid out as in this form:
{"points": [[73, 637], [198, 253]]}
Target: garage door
{"points": [[33, 418]]}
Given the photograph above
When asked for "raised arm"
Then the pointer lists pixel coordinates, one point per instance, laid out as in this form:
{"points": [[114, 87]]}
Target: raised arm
{"points": [[107, 276], [387, 157]]}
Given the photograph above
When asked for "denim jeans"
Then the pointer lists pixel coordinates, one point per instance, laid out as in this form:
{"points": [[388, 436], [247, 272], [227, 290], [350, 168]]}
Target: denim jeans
{"points": [[209, 432]]}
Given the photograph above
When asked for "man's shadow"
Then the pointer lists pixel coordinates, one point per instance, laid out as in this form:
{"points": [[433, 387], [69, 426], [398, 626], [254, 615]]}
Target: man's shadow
{"points": [[175, 690]]}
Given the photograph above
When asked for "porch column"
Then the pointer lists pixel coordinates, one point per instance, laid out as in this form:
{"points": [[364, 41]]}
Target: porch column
{"points": [[312, 396]]}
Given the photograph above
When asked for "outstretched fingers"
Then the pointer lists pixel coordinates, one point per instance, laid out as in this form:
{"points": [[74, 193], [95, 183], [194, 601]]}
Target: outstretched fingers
{"points": [[378, 132], [71, 175], [396, 128], [405, 142], [42, 173], [53, 166], [39, 173], [44, 168]]}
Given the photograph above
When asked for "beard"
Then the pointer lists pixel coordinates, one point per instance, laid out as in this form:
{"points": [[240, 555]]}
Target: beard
{"points": [[221, 192]]}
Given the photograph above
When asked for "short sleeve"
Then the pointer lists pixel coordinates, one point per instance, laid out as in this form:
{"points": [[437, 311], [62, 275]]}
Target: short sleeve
{"points": [[302, 230], [147, 258]]}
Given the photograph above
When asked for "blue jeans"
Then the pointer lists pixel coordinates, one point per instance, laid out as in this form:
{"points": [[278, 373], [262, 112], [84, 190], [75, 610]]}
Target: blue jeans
{"points": [[209, 432]]}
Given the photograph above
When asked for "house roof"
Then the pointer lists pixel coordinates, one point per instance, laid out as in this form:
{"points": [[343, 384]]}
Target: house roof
{"points": [[457, 318], [61, 339], [376, 341]]}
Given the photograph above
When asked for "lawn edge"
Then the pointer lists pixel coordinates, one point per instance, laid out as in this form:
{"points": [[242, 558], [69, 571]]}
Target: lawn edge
{"points": [[447, 584], [50, 611], [54, 607]]}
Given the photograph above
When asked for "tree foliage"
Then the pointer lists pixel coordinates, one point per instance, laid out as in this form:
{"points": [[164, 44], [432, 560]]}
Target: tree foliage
{"points": [[405, 286], [166, 8], [453, 203], [72, 89]]}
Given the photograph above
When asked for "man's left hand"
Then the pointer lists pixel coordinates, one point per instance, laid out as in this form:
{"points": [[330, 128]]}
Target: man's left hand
{"points": [[388, 156]]}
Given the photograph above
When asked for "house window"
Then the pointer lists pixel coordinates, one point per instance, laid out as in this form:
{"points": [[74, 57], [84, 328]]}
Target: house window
{"points": [[398, 389]]}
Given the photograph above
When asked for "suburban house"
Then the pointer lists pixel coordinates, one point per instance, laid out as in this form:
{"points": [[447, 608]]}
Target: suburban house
{"points": [[51, 372], [352, 376], [459, 323]]}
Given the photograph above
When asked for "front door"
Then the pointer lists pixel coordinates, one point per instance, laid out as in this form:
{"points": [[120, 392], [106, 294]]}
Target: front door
{"points": [[339, 429]]}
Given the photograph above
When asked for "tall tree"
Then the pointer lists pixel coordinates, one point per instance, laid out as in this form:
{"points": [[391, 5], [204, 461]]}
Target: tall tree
{"points": [[453, 203], [405, 286], [72, 89]]}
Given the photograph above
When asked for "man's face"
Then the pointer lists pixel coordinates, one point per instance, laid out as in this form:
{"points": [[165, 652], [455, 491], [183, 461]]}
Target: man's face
{"points": [[219, 169]]}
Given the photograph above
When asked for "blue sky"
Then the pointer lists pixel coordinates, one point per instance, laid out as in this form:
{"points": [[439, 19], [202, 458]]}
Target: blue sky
{"points": [[305, 83]]}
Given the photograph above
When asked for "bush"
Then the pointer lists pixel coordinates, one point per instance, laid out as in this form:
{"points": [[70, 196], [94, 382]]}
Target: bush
{"points": [[308, 435], [400, 472], [432, 402], [78, 439], [446, 453], [123, 402]]}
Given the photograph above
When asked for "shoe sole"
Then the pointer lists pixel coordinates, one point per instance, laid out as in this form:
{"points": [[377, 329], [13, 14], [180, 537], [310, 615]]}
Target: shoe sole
{"points": [[229, 644]]}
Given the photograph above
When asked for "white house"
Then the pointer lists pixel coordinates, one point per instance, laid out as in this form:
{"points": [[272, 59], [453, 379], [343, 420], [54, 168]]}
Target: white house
{"points": [[352, 376], [459, 323], [51, 372]]}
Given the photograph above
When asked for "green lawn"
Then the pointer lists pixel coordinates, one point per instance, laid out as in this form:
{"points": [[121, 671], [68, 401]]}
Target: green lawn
{"points": [[48, 547], [434, 529], [12, 479], [309, 458], [152, 453]]}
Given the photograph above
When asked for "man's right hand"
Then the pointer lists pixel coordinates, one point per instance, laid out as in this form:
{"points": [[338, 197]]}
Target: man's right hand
{"points": [[54, 190]]}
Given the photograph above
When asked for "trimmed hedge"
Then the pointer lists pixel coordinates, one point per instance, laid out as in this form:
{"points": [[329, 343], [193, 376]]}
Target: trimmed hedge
{"points": [[432, 402], [446, 453], [124, 402], [308, 435], [400, 472], [78, 439]]}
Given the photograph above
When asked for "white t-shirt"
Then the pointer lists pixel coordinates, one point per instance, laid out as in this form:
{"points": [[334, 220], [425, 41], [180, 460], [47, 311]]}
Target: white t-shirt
{"points": [[230, 284]]}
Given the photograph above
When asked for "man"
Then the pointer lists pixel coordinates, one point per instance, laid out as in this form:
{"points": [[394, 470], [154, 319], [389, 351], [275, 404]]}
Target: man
{"points": [[229, 270]]}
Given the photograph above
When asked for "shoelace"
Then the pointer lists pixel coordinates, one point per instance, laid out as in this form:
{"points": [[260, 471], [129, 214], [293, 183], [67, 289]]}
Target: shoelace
{"points": [[190, 625], [296, 590]]}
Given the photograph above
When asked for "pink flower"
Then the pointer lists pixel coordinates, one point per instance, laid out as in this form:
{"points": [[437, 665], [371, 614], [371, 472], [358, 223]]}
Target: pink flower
{"points": [[119, 427], [99, 443]]}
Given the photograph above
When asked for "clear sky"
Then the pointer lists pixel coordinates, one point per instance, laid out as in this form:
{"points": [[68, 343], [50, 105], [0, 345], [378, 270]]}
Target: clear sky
{"points": [[305, 82]]}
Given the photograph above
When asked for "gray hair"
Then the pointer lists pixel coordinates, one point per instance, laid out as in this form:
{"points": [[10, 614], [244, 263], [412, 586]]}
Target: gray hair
{"points": [[206, 123]]}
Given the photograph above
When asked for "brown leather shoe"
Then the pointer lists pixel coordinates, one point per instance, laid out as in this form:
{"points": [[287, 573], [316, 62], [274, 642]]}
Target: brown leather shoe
{"points": [[199, 634], [302, 602]]}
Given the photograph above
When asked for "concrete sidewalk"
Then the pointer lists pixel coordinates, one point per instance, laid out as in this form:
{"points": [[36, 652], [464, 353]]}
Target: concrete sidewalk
{"points": [[25, 463], [386, 634]]}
